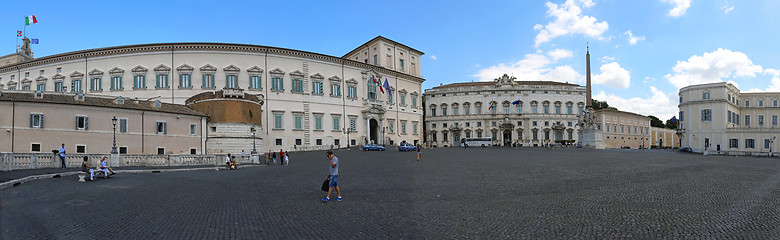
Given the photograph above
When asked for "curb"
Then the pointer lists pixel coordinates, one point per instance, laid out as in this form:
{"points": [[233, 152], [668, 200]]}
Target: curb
{"points": [[17, 182]]}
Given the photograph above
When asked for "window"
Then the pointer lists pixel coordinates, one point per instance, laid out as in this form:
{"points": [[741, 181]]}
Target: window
{"points": [[569, 109], [278, 121], [774, 103], [494, 136], [535, 135], [36, 120], [59, 70], [82, 123], [317, 122], [337, 142], [193, 129], [336, 123], [27, 74], [760, 103], [414, 103], [317, 88], [557, 109], [184, 81], [519, 109], [95, 84], [278, 142], [705, 95], [546, 109], [277, 84], [766, 143], [747, 120], [160, 150], [319, 142], [162, 128], [466, 109], [534, 123], [444, 110], [123, 150], [750, 143], [123, 125], [376, 59], [41, 86], [335, 89], [506, 109], [231, 81], [433, 111], [390, 99], [57, 86], [706, 115], [414, 127], [455, 111], [579, 109], [81, 149], [533, 108], [493, 123], [571, 135], [681, 115], [747, 103], [371, 87], [478, 108], [403, 99], [353, 124], [116, 83], [75, 85], [352, 91], [733, 143], [298, 141], [162, 81], [444, 136], [760, 120], [297, 122], [255, 82], [401, 64], [208, 80], [391, 126], [297, 85], [728, 116], [774, 120], [139, 81]]}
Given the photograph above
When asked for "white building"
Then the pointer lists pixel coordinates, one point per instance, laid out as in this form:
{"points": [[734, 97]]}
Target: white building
{"points": [[312, 101], [528, 112], [718, 118]]}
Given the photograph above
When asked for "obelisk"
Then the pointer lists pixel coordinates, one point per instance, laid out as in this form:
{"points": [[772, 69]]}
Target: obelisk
{"points": [[591, 136], [588, 102]]}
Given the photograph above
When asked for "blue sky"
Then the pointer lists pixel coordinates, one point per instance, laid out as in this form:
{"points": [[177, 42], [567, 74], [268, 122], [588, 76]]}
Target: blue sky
{"points": [[642, 52]]}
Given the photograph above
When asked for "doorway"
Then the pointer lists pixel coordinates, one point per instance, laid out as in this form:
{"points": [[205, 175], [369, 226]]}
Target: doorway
{"points": [[456, 139], [558, 135], [373, 127], [507, 137]]}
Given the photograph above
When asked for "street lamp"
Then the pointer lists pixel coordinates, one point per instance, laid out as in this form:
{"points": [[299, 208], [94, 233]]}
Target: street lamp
{"points": [[254, 148], [113, 149]]}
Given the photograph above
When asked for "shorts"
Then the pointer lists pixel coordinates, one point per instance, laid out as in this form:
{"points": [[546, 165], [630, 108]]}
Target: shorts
{"points": [[333, 181]]}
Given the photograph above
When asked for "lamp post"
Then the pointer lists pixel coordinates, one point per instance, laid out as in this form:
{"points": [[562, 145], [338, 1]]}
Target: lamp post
{"points": [[254, 147], [771, 143], [113, 149]]}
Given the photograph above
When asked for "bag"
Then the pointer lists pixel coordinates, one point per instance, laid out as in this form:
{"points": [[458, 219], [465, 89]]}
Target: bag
{"points": [[325, 185]]}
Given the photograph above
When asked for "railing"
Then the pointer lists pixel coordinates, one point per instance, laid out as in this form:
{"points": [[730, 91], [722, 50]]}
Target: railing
{"points": [[19, 161]]}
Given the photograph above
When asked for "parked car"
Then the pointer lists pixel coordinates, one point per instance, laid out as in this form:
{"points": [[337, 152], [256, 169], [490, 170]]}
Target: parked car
{"points": [[686, 149], [373, 147], [406, 147]]}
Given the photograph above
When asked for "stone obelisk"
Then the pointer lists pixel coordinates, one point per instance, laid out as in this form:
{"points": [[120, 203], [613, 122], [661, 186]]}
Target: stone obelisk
{"points": [[591, 136]]}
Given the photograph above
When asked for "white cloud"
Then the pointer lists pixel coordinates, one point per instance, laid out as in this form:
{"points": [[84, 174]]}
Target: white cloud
{"points": [[680, 6], [726, 8], [606, 59], [774, 86], [659, 104], [613, 75], [559, 54], [568, 21], [434, 57], [477, 65], [532, 67], [717, 66], [633, 39]]}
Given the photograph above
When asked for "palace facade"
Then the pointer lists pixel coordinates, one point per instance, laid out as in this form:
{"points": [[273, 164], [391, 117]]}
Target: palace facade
{"points": [[718, 118], [530, 113], [311, 100]]}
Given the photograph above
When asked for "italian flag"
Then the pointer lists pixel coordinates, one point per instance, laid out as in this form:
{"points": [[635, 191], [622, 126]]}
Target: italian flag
{"points": [[30, 20]]}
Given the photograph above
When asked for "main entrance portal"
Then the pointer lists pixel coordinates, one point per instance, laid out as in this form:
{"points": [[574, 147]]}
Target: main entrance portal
{"points": [[374, 127], [507, 137]]}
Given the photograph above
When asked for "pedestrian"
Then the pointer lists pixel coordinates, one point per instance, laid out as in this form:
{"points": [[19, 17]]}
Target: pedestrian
{"points": [[227, 161], [62, 155], [86, 168], [287, 159], [281, 156], [273, 157], [242, 152], [104, 167], [333, 173], [419, 153]]}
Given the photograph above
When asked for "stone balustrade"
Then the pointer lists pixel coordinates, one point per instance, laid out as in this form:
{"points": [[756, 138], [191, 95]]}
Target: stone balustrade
{"points": [[20, 161]]}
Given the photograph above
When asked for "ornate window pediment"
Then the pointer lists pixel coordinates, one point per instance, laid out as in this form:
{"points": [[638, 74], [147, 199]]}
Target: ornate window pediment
{"points": [[139, 70], [317, 76], [58, 77], [95, 72], [76, 74], [185, 69], [26, 81], [352, 81], [402, 91], [297, 73], [208, 69], [415, 93], [276, 71], [41, 79], [231, 70], [335, 78], [160, 69], [254, 71], [116, 71]]}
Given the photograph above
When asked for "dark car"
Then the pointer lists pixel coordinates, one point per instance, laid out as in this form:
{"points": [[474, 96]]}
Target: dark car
{"points": [[686, 149]]}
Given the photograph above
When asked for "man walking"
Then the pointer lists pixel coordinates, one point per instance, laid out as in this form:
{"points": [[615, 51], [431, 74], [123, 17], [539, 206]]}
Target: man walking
{"points": [[281, 157], [333, 176], [62, 155]]}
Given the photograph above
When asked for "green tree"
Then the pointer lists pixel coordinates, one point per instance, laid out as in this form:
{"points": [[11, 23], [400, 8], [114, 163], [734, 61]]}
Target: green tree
{"points": [[655, 122], [598, 105], [670, 124]]}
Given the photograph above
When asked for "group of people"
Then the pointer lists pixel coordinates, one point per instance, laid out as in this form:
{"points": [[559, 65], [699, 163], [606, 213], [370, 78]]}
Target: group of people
{"points": [[231, 162], [103, 167], [284, 157]]}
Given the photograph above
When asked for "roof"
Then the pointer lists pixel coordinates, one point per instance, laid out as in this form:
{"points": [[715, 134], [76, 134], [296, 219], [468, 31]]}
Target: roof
{"points": [[381, 38], [472, 84], [618, 111], [97, 101], [220, 95]]}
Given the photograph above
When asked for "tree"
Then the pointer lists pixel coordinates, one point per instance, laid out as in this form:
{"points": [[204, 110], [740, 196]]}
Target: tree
{"points": [[670, 124], [598, 105], [655, 122]]}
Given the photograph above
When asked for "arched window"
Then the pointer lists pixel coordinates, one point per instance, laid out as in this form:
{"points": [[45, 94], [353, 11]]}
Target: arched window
{"points": [[371, 88]]}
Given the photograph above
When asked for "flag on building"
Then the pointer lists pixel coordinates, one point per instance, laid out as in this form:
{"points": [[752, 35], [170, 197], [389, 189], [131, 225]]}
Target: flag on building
{"points": [[673, 119], [34, 41], [387, 87], [516, 102], [18, 33], [30, 20], [492, 105]]}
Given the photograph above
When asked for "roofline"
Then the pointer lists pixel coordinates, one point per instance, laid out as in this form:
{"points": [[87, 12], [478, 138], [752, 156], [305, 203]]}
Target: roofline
{"points": [[489, 83], [196, 113], [383, 38], [613, 110], [192, 46]]}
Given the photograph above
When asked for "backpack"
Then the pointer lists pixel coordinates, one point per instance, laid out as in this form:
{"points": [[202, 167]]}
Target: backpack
{"points": [[325, 185]]}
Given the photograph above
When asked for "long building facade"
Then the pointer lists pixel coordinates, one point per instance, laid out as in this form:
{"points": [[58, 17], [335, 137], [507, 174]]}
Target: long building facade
{"points": [[311, 100], [718, 118], [530, 113], [624, 129]]}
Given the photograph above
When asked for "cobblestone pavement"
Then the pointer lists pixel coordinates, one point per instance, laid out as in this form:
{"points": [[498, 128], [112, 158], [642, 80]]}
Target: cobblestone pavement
{"points": [[452, 193]]}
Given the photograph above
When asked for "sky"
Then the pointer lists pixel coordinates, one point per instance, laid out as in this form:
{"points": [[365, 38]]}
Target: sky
{"points": [[642, 52]]}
